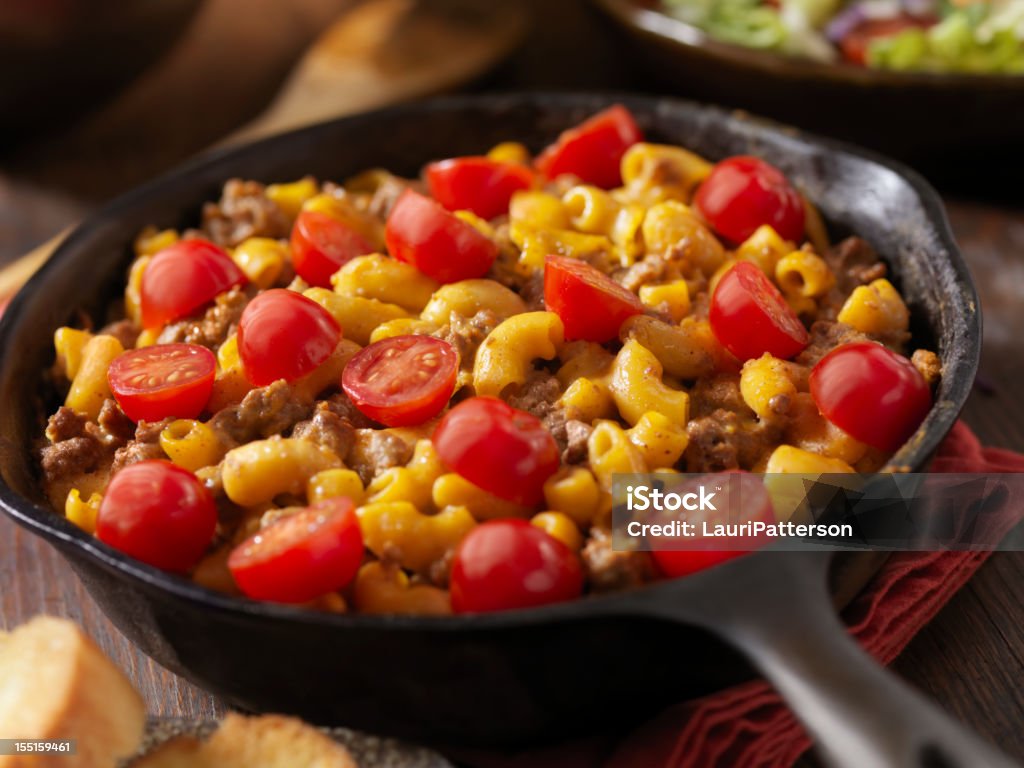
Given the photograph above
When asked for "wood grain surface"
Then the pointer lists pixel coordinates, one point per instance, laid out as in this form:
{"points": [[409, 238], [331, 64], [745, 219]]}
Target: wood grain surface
{"points": [[970, 658]]}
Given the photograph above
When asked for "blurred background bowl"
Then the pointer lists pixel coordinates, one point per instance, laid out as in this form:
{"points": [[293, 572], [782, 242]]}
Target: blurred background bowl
{"points": [[964, 131], [59, 58]]}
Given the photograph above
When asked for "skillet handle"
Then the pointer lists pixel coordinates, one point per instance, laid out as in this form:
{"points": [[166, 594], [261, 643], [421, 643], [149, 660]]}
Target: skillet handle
{"points": [[780, 616]]}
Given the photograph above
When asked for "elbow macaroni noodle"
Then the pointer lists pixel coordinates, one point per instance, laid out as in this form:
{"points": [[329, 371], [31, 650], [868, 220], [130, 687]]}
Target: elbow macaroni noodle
{"points": [[507, 354]]}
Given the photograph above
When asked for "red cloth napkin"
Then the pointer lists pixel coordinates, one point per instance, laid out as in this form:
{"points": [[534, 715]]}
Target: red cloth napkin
{"points": [[748, 726]]}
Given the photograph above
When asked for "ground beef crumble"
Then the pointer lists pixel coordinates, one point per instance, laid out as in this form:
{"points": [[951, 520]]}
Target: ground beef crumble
{"points": [[717, 392], [113, 428], [854, 263], [125, 331], [263, 412], [539, 396], [244, 211], [214, 326], [375, 450], [649, 269], [826, 335], [608, 570], [723, 440], [328, 429], [467, 334], [386, 194], [71, 451], [340, 404], [144, 446], [79, 446], [928, 365]]}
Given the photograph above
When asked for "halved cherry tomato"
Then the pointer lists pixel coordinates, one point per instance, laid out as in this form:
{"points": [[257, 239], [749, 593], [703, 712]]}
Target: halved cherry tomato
{"points": [[857, 41], [440, 245], [158, 513], [163, 380], [477, 184], [499, 448], [403, 380], [182, 278], [872, 393], [321, 245], [742, 193], [284, 335], [593, 150], [302, 556], [749, 316], [591, 305], [739, 497], [505, 564]]}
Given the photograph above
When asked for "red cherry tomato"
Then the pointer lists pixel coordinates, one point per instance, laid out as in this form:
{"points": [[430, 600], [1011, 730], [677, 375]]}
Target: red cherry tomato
{"points": [[182, 278], [591, 305], [158, 513], [440, 245], [593, 150], [506, 564], [742, 193], [163, 380], [739, 497], [749, 316], [503, 450], [302, 556], [402, 381], [477, 184], [872, 393], [284, 335], [321, 245], [857, 41]]}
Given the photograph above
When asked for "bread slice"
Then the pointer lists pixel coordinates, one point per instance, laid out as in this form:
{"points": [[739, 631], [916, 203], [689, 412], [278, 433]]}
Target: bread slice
{"points": [[270, 741], [55, 683], [273, 741]]}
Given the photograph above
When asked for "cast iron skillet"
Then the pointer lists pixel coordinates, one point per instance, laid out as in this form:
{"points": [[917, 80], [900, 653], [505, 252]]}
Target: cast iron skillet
{"points": [[948, 125], [524, 676]]}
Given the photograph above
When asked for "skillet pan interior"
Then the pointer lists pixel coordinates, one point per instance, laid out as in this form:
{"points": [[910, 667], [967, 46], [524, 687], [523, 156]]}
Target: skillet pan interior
{"points": [[495, 679]]}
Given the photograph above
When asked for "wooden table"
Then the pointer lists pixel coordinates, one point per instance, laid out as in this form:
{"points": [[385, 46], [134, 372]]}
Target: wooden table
{"points": [[970, 658]]}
